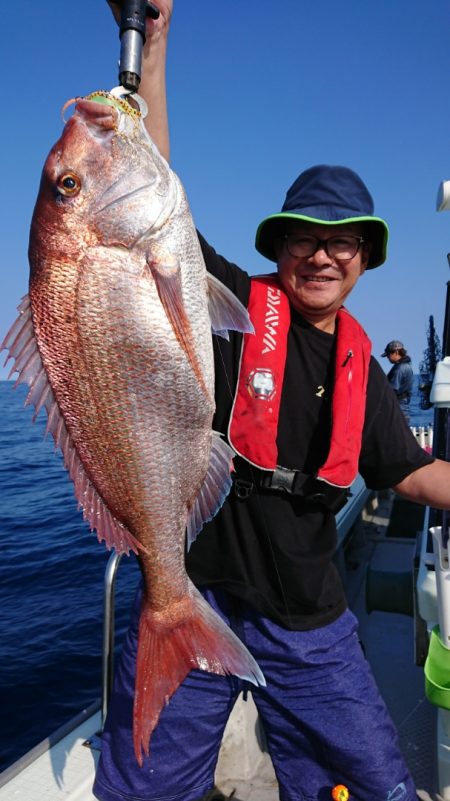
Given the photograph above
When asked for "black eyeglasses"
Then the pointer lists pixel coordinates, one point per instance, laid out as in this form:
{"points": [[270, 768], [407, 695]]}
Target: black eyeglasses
{"points": [[343, 247]]}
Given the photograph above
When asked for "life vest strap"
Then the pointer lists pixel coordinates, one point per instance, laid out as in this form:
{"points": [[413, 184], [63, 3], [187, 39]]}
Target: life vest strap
{"points": [[294, 482]]}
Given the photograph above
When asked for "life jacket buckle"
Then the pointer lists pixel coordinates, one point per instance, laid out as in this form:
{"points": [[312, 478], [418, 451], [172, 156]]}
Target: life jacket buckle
{"points": [[242, 489], [283, 480]]}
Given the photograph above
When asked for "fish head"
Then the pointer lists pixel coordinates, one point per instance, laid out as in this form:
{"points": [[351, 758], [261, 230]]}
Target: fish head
{"points": [[104, 181]]}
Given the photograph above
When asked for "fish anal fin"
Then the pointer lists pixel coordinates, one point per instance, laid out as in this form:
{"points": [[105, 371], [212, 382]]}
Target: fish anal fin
{"points": [[23, 348], [198, 639], [226, 312], [215, 487]]}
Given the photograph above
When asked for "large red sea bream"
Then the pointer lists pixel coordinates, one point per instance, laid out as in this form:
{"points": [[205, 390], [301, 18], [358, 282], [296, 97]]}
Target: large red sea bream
{"points": [[114, 339]]}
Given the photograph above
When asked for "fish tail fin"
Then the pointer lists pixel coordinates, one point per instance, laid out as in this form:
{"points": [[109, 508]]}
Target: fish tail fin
{"points": [[168, 652]]}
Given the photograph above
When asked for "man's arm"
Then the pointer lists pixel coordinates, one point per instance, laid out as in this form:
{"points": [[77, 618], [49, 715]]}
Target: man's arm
{"points": [[153, 75], [428, 485]]}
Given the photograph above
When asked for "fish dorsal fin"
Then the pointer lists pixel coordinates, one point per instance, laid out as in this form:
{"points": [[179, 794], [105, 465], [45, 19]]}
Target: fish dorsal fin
{"points": [[226, 312], [215, 488], [21, 344]]}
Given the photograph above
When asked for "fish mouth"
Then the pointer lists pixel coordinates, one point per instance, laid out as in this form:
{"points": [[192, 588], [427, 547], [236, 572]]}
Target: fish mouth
{"points": [[99, 106], [123, 101], [104, 112], [101, 116]]}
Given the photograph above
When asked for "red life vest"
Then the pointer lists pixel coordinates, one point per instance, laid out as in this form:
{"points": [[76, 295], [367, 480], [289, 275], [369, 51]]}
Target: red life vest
{"points": [[254, 419]]}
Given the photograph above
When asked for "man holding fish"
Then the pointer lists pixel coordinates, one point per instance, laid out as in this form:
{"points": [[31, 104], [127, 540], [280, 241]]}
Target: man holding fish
{"points": [[305, 408]]}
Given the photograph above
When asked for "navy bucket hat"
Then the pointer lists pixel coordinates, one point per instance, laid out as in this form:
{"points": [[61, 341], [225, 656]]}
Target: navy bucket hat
{"points": [[330, 196]]}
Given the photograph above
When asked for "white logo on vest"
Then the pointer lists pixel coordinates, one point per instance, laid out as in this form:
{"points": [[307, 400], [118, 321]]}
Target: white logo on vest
{"points": [[271, 319]]}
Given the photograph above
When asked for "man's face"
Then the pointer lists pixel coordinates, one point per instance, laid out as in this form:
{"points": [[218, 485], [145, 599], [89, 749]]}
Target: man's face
{"points": [[317, 285], [394, 356]]}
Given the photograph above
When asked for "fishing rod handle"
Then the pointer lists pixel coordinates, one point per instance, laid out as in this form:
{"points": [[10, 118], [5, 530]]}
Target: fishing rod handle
{"points": [[132, 39]]}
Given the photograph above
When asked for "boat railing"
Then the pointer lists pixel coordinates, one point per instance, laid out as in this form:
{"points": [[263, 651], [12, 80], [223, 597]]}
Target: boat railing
{"points": [[109, 596]]}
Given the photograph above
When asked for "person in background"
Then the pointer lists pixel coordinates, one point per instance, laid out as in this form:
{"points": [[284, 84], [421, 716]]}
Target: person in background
{"points": [[311, 408], [400, 376]]}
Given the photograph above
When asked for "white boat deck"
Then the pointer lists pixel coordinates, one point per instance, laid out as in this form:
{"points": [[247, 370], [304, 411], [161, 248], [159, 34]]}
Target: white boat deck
{"points": [[63, 771]]}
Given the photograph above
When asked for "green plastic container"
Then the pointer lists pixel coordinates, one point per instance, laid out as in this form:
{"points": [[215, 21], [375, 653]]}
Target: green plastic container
{"points": [[437, 672]]}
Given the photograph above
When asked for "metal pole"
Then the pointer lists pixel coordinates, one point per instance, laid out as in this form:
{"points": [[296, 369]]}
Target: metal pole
{"points": [[108, 631], [440, 423]]}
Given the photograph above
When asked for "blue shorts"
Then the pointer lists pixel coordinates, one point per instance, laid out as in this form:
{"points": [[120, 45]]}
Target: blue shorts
{"points": [[322, 713]]}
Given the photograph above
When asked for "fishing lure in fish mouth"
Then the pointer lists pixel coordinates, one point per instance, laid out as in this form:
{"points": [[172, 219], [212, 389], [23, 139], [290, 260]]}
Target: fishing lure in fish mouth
{"points": [[132, 105]]}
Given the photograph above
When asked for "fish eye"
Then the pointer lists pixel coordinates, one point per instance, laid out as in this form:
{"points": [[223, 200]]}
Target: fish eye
{"points": [[68, 184]]}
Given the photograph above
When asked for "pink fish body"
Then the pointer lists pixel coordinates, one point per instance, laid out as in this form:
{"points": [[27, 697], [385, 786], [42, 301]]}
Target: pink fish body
{"points": [[114, 339]]}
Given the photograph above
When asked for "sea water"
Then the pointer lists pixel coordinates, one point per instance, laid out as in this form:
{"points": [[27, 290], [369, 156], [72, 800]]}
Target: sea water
{"points": [[51, 584]]}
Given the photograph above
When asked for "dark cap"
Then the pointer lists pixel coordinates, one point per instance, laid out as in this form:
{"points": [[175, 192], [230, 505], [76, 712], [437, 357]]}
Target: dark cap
{"points": [[391, 347], [327, 195]]}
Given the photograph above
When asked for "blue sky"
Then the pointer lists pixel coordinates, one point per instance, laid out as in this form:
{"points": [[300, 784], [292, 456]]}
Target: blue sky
{"points": [[258, 91]]}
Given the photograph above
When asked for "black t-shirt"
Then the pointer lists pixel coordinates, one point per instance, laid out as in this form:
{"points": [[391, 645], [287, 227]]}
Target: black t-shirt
{"points": [[274, 550]]}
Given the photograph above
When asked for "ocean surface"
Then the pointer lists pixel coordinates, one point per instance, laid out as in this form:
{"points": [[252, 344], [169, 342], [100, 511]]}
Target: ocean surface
{"points": [[51, 584]]}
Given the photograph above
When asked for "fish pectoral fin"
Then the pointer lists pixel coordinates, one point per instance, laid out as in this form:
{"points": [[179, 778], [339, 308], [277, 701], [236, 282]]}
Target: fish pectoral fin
{"points": [[168, 284], [226, 312], [214, 489]]}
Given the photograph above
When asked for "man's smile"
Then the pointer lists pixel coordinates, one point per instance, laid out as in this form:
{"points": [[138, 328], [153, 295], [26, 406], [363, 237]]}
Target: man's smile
{"points": [[318, 278]]}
